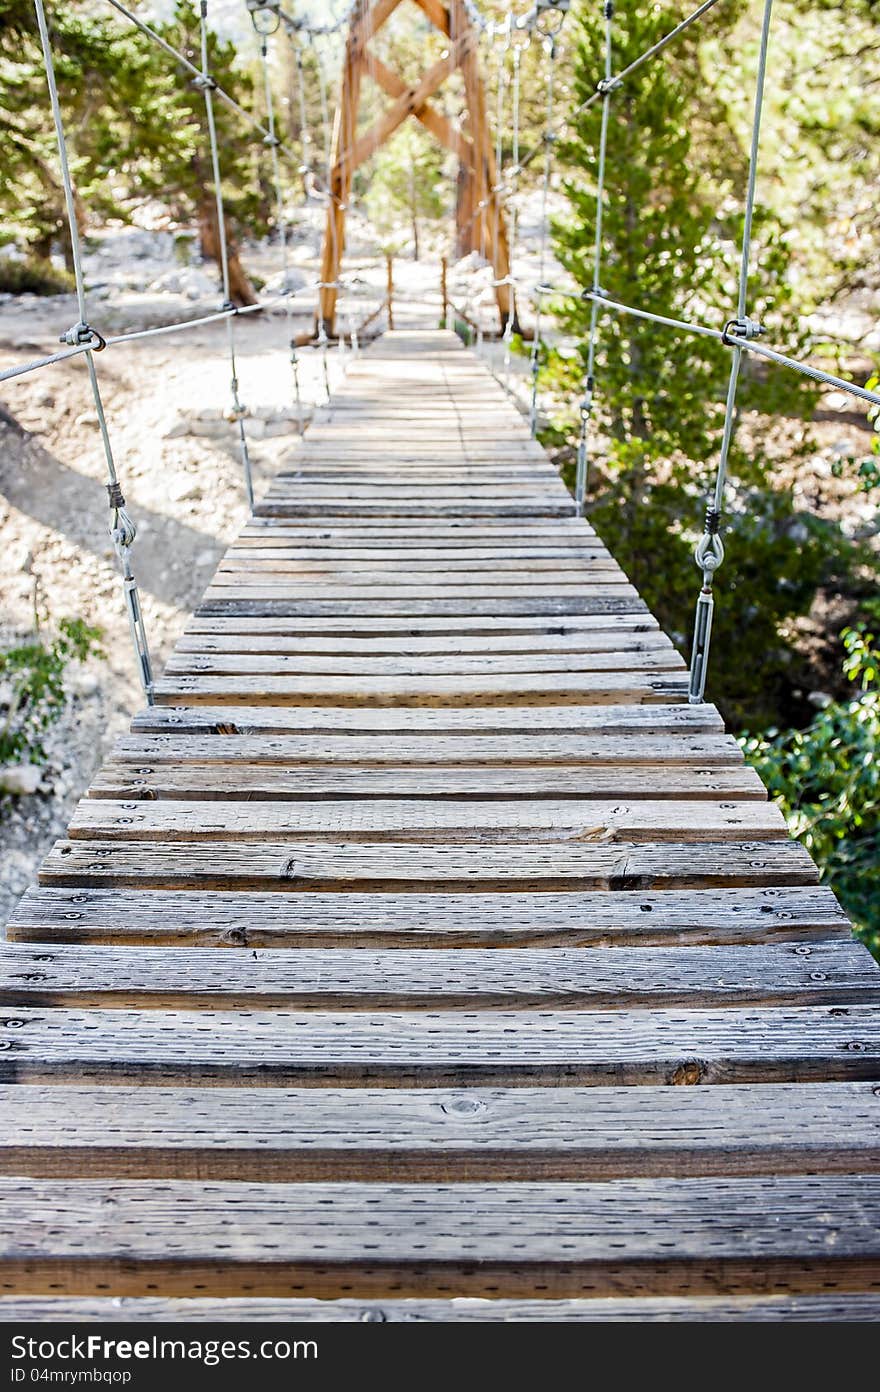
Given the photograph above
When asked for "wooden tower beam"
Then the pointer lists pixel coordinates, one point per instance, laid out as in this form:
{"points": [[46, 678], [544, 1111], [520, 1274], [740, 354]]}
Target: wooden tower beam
{"points": [[476, 155]]}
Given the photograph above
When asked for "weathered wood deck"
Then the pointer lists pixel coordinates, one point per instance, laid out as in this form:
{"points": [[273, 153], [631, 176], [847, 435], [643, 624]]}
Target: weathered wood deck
{"points": [[262, 1057]]}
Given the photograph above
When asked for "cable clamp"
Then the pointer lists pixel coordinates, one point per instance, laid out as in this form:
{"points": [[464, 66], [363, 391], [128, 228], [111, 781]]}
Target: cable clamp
{"points": [[594, 293], [713, 521], [741, 329], [607, 9], [227, 307], [606, 85], [83, 334], [271, 140], [205, 82], [114, 493]]}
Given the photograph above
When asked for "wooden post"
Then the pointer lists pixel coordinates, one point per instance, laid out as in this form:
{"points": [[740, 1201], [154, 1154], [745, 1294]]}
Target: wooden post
{"points": [[389, 289], [443, 291]]}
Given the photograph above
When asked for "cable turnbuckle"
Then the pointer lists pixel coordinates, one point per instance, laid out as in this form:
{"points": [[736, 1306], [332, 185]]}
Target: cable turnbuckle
{"points": [[744, 328], [83, 333]]}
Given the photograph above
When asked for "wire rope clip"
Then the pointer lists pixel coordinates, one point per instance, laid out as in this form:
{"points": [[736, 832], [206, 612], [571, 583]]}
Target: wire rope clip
{"points": [[83, 334], [741, 329]]}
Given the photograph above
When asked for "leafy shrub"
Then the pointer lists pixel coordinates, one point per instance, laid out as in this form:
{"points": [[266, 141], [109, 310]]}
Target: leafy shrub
{"points": [[35, 276], [34, 675], [826, 779]]}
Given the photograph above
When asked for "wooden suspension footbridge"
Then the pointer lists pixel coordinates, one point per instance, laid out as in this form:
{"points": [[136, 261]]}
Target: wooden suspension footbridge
{"points": [[423, 953]]}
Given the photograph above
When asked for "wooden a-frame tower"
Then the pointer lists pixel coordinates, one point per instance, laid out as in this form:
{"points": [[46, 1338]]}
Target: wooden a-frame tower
{"points": [[480, 215]]}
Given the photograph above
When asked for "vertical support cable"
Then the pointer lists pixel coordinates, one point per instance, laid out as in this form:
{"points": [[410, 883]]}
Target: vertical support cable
{"points": [[122, 528], [280, 215], [709, 552], [606, 87], [511, 203], [206, 84], [545, 192], [323, 341]]}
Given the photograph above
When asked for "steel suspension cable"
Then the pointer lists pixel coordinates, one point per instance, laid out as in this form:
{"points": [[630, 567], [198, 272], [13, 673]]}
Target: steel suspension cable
{"points": [[122, 528], [709, 552], [551, 49], [205, 83], [618, 78], [265, 28], [586, 406]]}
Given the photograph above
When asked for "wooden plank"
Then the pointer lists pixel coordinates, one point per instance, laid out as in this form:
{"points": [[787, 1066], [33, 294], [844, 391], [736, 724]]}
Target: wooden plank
{"points": [[414, 507], [617, 600], [516, 587], [497, 579], [429, 819], [524, 633], [541, 688], [596, 978], [479, 721], [799, 914], [439, 1135], [304, 782], [507, 751], [524, 867], [264, 1048], [848, 1307], [803, 1234], [634, 658], [413, 536]]}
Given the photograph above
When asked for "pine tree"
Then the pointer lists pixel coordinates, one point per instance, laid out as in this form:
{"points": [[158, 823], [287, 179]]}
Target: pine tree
{"points": [[406, 185], [671, 231], [135, 129]]}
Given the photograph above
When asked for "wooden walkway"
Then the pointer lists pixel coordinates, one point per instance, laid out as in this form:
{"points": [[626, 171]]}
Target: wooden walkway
{"points": [[262, 1056]]}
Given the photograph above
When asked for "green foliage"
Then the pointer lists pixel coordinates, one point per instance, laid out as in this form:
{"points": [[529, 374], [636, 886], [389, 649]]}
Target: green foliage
{"points": [[866, 471], [34, 674], [135, 125], [406, 185], [826, 779], [671, 235], [34, 275]]}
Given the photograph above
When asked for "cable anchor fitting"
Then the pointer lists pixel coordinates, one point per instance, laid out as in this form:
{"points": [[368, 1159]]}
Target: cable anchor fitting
{"points": [[122, 528], [744, 328]]}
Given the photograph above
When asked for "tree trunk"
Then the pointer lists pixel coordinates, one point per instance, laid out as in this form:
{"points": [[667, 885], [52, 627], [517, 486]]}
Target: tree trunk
{"points": [[241, 292]]}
